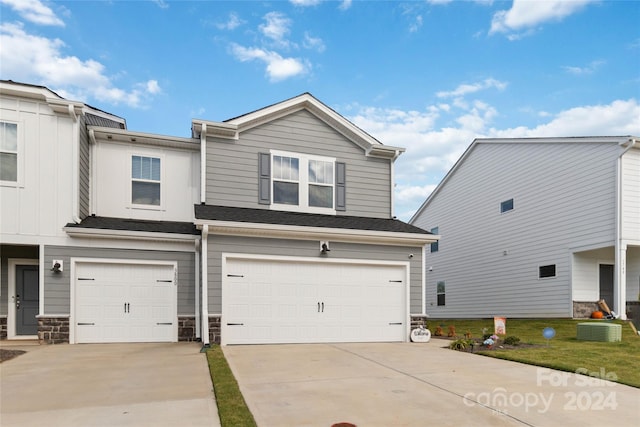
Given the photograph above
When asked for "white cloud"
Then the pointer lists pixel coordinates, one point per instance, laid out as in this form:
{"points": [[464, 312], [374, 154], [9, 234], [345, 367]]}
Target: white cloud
{"points": [[433, 148], [31, 58], [526, 14], [589, 69], [465, 89], [34, 11], [415, 26], [345, 4], [232, 23], [314, 43], [276, 28], [305, 3], [161, 4], [277, 67]]}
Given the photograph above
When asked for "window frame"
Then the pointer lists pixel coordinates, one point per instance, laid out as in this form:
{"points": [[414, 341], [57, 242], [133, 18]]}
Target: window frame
{"points": [[19, 152], [502, 206], [439, 294], [435, 246], [142, 206], [303, 183], [555, 271]]}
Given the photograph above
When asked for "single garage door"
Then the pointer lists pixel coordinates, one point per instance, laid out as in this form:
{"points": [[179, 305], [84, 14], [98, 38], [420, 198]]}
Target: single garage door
{"points": [[122, 302], [275, 301]]}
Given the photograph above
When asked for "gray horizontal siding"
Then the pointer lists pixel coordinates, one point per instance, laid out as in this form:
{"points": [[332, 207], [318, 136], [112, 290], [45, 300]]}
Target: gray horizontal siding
{"points": [[306, 248], [631, 195], [564, 197], [57, 286], [232, 167]]}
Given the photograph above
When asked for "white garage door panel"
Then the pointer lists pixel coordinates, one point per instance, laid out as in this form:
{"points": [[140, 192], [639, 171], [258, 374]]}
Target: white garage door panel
{"points": [[267, 301], [125, 303]]}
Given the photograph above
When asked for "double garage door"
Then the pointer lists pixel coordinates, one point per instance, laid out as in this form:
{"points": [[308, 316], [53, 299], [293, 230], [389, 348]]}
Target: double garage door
{"points": [[285, 301], [123, 302]]}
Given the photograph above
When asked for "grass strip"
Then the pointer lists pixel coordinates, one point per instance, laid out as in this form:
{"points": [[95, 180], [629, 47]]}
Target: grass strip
{"points": [[619, 360], [232, 409]]}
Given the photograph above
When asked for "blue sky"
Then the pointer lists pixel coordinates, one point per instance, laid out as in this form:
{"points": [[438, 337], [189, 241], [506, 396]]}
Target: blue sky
{"points": [[429, 76]]}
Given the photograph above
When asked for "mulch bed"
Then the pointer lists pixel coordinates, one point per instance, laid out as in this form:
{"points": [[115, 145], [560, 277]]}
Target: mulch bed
{"points": [[9, 354], [480, 347]]}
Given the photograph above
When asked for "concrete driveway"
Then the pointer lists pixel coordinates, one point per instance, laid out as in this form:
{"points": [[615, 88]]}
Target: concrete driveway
{"points": [[107, 385], [405, 384]]}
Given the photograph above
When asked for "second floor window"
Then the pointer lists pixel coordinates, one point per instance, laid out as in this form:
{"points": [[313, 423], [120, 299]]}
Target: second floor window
{"points": [[303, 183], [8, 152], [145, 180]]}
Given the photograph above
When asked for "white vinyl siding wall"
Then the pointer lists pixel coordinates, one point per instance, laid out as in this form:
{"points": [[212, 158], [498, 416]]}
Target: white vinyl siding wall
{"points": [[308, 248], [232, 166], [565, 198], [630, 200]]}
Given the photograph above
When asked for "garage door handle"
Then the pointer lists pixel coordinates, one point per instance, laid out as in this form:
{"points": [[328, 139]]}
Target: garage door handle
{"points": [[395, 323], [166, 323], [395, 281], [85, 278], [323, 307], [86, 324], [164, 281], [235, 324], [235, 275]]}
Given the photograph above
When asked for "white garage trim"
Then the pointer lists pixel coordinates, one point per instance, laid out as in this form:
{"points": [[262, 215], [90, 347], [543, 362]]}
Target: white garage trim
{"points": [[73, 266], [405, 266]]}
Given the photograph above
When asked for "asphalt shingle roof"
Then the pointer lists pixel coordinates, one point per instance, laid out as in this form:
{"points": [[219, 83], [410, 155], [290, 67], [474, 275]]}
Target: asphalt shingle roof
{"points": [[106, 223], [267, 216]]}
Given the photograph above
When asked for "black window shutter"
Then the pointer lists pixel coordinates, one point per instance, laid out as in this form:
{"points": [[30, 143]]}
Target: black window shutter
{"points": [[264, 178], [341, 186]]}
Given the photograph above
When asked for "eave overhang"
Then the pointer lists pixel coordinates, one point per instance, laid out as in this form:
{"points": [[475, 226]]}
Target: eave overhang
{"points": [[100, 233]]}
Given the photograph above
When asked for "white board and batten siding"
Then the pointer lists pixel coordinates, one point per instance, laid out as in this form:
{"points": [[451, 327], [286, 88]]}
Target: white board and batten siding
{"points": [[630, 196], [564, 197], [42, 198], [123, 301], [232, 167], [267, 300]]}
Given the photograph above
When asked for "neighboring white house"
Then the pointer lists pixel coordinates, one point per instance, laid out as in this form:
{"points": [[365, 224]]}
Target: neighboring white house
{"points": [[535, 227]]}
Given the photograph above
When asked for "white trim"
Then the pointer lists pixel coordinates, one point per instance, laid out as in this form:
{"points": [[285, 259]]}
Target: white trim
{"points": [[424, 280], [309, 260], [11, 294], [203, 164], [72, 286], [196, 286], [205, 284], [128, 235], [41, 279], [319, 233]]}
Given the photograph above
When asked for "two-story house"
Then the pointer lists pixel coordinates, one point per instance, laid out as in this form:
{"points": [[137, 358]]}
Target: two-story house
{"points": [[535, 227], [273, 227]]}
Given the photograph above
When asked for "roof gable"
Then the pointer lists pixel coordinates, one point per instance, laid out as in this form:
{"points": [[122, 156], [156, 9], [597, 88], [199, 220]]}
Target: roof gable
{"points": [[231, 128]]}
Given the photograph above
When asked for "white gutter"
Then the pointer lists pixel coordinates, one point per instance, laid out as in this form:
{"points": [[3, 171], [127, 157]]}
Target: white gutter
{"points": [[393, 183], [93, 233], [620, 287], [75, 186], [424, 280], [205, 284], [197, 290], [93, 171], [203, 164]]}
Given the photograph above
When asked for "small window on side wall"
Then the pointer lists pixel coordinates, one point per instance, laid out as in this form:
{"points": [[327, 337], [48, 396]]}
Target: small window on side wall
{"points": [[547, 271], [440, 293], [8, 152], [434, 245], [506, 206]]}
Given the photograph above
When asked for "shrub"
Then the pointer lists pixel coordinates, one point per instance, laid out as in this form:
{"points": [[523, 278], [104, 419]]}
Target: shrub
{"points": [[438, 331], [460, 344], [511, 340]]}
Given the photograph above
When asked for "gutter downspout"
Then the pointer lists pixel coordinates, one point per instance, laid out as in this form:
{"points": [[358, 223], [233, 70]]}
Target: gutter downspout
{"points": [[205, 286], [75, 186], [197, 288], [203, 164], [424, 280], [620, 282]]}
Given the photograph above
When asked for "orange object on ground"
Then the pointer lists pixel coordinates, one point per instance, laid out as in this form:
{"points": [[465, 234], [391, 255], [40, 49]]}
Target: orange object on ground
{"points": [[597, 315]]}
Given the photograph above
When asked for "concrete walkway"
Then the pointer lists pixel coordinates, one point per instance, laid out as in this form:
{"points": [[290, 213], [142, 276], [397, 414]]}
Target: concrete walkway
{"points": [[405, 384], [107, 385]]}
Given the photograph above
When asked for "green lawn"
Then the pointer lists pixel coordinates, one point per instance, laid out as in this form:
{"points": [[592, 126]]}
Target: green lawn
{"points": [[232, 408], [564, 352]]}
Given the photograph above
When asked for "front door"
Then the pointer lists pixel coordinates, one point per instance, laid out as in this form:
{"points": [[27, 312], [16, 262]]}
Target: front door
{"points": [[27, 299], [606, 284]]}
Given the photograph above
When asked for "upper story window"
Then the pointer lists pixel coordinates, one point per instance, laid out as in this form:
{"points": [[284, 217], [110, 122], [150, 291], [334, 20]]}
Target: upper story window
{"points": [[434, 245], [145, 180], [8, 152], [302, 183], [506, 206]]}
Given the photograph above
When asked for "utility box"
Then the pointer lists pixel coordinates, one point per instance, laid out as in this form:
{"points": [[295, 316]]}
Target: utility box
{"points": [[599, 331]]}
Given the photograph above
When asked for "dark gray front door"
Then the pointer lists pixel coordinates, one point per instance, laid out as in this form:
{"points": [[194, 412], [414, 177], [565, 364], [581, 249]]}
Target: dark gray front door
{"points": [[606, 284], [27, 299]]}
